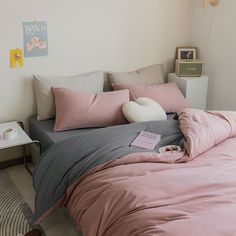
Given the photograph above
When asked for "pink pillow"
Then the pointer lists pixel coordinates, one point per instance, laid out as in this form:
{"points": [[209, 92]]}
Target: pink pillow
{"points": [[167, 95], [75, 109]]}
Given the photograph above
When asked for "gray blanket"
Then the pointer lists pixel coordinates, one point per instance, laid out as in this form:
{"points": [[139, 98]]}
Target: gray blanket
{"points": [[64, 163]]}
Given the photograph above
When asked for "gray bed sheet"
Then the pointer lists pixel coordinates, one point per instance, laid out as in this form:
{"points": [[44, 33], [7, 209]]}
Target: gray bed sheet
{"points": [[43, 132]]}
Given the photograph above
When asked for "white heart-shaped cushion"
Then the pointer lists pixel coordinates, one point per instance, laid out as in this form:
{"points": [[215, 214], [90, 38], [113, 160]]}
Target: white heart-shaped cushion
{"points": [[143, 109]]}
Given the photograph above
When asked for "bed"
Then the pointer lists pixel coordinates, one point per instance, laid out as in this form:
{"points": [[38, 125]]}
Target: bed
{"points": [[121, 190], [111, 187], [42, 125], [43, 132]]}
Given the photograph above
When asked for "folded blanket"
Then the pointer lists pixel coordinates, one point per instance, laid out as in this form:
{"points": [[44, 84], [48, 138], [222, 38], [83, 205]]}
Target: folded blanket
{"points": [[203, 130]]}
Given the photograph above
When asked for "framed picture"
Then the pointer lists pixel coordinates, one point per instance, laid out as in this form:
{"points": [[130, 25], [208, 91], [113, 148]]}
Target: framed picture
{"points": [[186, 53]]}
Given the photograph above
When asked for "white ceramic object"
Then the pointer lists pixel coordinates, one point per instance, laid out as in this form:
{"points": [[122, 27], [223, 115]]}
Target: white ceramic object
{"points": [[10, 133]]}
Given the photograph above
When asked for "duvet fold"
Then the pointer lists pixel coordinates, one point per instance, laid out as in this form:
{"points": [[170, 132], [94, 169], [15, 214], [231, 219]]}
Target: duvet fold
{"points": [[205, 129]]}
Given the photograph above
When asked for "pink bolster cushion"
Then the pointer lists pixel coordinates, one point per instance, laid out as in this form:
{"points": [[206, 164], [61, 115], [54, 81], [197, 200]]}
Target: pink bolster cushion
{"points": [[167, 95], [75, 109]]}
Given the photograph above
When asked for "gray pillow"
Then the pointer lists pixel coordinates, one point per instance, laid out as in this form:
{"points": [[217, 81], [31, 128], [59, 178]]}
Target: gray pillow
{"points": [[147, 76], [91, 82]]}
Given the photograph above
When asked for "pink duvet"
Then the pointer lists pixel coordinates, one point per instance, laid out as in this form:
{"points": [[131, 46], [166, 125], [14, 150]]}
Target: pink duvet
{"points": [[138, 195]]}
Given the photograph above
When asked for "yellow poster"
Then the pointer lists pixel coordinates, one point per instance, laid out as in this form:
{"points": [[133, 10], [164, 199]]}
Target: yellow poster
{"points": [[16, 58]]}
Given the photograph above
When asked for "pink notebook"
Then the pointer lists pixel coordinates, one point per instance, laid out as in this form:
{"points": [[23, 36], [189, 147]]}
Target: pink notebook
{"points": [[146, 140]]}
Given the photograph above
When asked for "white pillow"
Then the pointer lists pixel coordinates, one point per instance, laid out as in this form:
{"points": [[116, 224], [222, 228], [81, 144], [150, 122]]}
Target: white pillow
{"points": [[143, 109], [91, 82]]}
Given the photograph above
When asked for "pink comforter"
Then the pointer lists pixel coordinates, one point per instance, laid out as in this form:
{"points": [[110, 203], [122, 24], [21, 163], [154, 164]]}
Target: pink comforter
{"points": [[138, 195]]}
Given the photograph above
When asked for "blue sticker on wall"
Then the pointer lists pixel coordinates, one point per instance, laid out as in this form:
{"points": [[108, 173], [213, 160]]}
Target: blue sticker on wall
{"points": [[35, 39]]}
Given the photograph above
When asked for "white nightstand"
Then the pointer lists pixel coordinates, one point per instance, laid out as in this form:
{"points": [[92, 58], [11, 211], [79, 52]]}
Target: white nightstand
{"points": [[193, 88], [21, 138]]}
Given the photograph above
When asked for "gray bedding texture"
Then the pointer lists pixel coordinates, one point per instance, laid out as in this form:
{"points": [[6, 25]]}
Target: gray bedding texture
{"points": [[43, 132], [65, 162]]}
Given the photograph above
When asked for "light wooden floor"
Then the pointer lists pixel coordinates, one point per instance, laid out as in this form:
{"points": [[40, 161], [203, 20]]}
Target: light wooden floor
{"points": [[58, 224]]}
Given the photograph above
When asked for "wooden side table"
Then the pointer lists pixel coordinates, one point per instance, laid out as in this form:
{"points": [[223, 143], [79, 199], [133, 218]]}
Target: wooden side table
{"points": [[21, 139]]}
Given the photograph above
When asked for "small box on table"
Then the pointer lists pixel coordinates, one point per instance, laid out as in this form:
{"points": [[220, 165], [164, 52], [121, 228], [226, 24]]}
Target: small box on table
{"points": [[186, 68]]}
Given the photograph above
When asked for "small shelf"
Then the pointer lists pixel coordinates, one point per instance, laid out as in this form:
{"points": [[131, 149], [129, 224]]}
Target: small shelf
{"points": [[193, 88]]}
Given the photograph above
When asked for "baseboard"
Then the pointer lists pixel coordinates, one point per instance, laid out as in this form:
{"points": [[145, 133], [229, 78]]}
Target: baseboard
{"points": [[14, 162]]}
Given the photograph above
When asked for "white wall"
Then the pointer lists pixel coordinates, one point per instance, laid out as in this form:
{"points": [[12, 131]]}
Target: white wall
{"points": [[88, 35], [214, 33]]}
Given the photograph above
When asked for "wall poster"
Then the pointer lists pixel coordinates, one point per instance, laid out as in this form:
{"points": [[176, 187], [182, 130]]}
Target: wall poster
{"points": [[35, 39], [16, 58]]}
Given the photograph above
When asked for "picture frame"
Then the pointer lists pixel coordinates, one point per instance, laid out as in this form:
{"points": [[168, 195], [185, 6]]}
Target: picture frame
{"points": [[187, 53]]}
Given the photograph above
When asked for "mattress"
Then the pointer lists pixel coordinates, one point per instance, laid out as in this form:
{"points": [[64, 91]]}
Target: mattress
{"points": [[43, 132]]}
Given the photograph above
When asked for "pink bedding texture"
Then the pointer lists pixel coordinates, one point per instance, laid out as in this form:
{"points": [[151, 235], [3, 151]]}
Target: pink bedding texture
{"points": [[148, 194], [167, 95]]}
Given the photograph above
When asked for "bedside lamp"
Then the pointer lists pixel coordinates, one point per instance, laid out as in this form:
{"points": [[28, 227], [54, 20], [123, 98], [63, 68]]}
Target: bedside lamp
{"points": [[211, 2]]}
